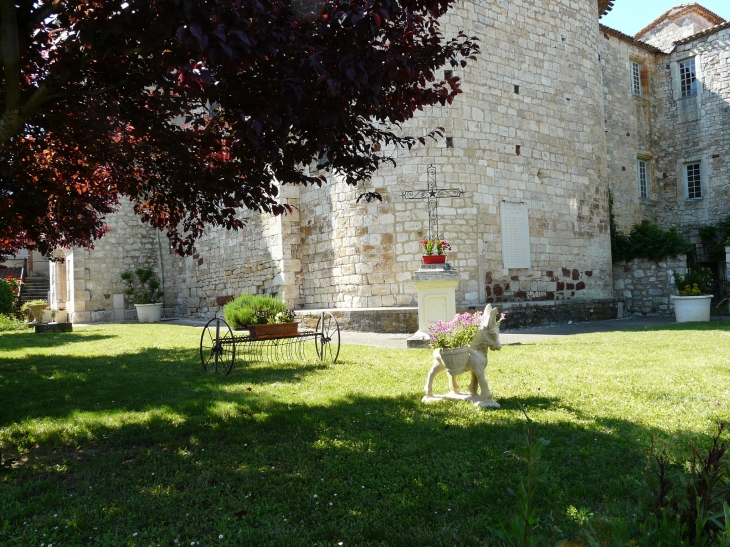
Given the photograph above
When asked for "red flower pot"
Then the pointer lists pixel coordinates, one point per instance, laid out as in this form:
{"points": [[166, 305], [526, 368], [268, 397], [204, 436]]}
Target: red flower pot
{"points": [[434, 259]]}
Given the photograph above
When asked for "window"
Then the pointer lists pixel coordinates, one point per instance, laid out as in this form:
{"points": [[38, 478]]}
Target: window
{"points": [[687, 78], [692, 176], [635, 78], [643, 173]]}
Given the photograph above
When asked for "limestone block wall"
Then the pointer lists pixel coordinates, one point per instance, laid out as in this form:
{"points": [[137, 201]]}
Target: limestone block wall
{"points": [[95, 289], [348, 256], [528, 128], [695, 130], [629, 127], [647, 285], [261, 258]]}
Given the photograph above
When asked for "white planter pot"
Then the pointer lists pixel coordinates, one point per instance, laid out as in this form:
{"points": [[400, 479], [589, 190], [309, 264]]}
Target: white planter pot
{"points": [[61, 316], [692, 308], [455, 359], [149, 313]]}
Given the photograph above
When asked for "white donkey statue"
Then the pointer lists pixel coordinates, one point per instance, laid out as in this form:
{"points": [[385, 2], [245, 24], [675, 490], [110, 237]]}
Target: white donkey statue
{"points": [[487, 337]]}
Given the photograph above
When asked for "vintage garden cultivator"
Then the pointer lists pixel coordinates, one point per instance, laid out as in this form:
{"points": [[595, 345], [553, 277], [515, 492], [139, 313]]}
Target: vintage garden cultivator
{"points": [[220, 346]]}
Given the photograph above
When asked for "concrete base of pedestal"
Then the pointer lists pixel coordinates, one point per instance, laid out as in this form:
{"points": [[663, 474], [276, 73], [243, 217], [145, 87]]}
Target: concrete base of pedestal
{"points": [[54, 327], [419, 340], [476, 400]]}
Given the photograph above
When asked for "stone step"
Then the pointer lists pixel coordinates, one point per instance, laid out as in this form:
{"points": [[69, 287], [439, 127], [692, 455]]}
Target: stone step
{"points": [[35, 288]]}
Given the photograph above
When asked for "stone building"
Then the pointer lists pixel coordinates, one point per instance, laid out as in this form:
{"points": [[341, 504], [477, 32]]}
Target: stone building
{"points": [[557, 111]]}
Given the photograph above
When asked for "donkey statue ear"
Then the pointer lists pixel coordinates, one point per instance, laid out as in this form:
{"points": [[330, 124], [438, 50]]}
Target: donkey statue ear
{"points": [[493, 317], [487, 315]]}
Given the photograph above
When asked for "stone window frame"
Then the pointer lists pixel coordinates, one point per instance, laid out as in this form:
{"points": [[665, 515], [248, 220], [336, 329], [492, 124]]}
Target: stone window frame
{"points": [[676, 79], [687, 89], [697, 192], [636, 83], [644, 189]]}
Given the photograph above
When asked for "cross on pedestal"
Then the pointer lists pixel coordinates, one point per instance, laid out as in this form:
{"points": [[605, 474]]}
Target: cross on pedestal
{"points": [[432, 194]]}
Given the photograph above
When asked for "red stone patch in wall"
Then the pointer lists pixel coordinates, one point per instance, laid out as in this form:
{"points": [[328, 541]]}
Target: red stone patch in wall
{"points": [[498, 290], [566, 272], [561, 286], [580, 286], [576, 275], [488, 278], [570, 286]]}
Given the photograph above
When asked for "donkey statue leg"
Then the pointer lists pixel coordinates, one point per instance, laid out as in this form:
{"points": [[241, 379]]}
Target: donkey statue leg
{"points": [[436, 369], [487, 337]]}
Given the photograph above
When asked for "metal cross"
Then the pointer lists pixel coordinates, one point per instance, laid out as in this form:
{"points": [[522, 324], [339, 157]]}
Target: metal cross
{"points": [[432, 194]]}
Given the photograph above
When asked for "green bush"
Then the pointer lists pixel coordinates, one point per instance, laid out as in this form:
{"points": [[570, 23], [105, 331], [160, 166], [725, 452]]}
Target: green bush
{"points": [[647, 240], [256, 309], [7, 298], [9, 324], [142, 286], [697, 276]]}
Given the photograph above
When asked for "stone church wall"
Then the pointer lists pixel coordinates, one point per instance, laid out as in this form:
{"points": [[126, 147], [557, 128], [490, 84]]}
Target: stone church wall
{"points": [[646, 286], [528, 129], [692, 130], [96, 290], [260, 258]]}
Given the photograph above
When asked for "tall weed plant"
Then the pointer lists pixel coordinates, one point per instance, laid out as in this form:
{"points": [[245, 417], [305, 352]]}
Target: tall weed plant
{"points": [[680, 506], [520, 530]]}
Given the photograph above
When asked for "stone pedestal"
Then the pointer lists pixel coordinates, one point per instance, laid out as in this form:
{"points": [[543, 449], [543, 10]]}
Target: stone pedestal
{"points": [[436, 285]]}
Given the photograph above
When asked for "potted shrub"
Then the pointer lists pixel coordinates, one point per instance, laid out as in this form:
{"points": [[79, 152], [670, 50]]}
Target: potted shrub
{"points": [[434, 251], [693, 302], [453, 338], [143, 288], [36, 307], [264, 316]]}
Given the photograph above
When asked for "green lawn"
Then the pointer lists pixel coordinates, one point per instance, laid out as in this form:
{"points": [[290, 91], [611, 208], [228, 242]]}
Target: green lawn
{"points": [[112, 435]]}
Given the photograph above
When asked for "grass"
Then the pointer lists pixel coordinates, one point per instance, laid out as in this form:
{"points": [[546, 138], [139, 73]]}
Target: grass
{"points": [[112, 435]]}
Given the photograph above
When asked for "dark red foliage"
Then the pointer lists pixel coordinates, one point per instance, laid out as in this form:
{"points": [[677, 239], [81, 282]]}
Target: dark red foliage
{"points": [[194, 109]]}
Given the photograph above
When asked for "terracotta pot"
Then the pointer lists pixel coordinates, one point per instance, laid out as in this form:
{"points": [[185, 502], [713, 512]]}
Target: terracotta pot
{"points": [[273, 330], [434, 259], [455, 359]]}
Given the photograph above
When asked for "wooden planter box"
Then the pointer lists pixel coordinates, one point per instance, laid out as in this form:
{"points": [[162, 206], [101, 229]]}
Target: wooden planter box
{"points": [[273, 330]]}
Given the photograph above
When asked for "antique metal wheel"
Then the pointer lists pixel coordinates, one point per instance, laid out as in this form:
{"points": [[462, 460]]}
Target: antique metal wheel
{"points": [[217, 347], [327, 340]]}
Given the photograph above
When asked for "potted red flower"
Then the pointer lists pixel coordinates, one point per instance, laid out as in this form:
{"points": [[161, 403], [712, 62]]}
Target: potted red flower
{"points": [[434, 250]]}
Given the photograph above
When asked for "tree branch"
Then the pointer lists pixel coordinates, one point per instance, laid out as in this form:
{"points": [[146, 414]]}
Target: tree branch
{"points": [[11, 55]]}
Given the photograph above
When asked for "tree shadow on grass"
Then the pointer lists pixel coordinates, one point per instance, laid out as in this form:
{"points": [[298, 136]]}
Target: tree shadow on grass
{"points": [[57, 386], [365, 470], [23, 340]]}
